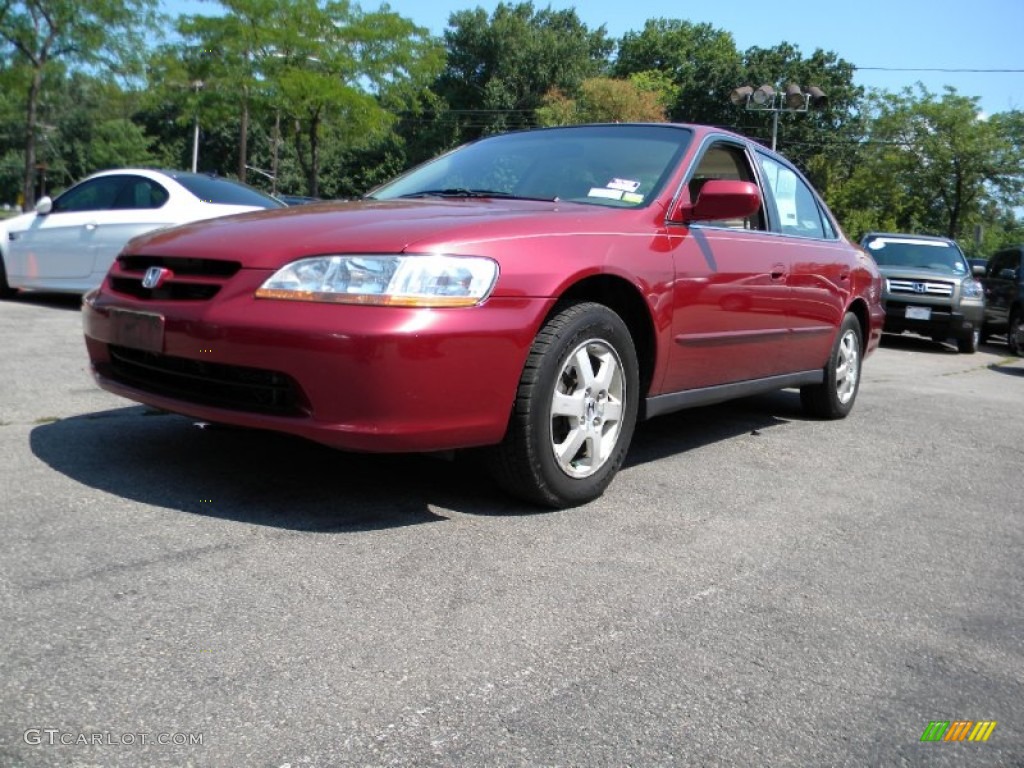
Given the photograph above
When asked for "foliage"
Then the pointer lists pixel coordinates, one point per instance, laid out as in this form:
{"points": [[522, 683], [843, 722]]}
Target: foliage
{"points": [[932, 165], [320, 97], [602, 100], [700, 61], [499, 69], [41, 33]]}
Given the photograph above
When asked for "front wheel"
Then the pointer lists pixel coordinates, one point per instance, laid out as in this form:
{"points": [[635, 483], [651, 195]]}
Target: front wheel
{"points": [[5, 289], [969, 345], [575, 410], [834, 397]]}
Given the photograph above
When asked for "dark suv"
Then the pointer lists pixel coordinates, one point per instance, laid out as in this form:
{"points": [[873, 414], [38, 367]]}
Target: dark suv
{"points": [[1004, 289], [928, 288]]}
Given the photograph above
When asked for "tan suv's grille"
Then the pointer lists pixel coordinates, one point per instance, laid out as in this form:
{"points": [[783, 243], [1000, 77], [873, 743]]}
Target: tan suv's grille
{"points": [[920, 287]]}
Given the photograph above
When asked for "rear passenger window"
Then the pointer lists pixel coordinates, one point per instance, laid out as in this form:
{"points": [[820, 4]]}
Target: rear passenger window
{"points": [[795, 207]]}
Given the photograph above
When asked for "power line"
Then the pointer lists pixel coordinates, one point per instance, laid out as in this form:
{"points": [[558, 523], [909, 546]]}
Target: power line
{"points": [[937, 69]]}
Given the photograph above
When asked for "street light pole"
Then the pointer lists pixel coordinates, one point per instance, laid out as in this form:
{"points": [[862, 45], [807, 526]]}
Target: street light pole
{"points": [[197, 84], [767, 99]]}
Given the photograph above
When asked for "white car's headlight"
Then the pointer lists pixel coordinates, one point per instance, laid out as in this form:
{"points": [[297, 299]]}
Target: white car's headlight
{"points": [[405, 281]]}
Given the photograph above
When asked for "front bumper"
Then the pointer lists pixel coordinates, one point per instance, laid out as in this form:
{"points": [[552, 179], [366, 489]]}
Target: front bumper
{"points": [[361, 378], [943, 321]]}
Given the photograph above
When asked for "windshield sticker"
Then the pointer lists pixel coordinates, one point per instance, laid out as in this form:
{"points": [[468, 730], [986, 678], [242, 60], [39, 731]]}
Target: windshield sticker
{"points": [[632, 197], [626, 185], [611, 194], [876, 245], [881, 242]]}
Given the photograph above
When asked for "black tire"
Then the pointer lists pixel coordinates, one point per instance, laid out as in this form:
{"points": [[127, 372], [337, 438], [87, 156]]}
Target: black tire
{"points": [[1015, 334], [585, 359], [5, 289], [834, 397], [969, 345]]}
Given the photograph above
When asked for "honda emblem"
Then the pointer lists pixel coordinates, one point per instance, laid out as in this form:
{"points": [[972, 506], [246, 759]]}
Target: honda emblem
{"points": [[155, 277]]}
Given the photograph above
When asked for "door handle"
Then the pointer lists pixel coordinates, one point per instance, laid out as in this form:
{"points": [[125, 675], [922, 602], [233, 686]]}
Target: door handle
{"points": [[778, 272]]}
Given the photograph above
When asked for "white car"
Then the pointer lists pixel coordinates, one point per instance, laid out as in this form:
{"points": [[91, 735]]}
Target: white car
{"points": [[68, 244]]}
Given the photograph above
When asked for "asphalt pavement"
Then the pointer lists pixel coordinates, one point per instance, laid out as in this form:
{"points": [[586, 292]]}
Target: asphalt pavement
{"points": [[755, 588]]}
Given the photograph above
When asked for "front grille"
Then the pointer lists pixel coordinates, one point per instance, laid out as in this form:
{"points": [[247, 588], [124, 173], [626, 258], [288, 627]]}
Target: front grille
{"points": [[921, 287], [192, 279], [197, 381]]}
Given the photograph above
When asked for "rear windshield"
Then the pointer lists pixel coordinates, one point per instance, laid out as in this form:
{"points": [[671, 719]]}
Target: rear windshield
{"points": [[211, 189], [934, 255]]}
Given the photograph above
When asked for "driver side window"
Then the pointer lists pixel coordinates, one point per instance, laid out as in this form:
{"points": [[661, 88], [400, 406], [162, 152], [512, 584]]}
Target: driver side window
{"points": [[94, 195], [725, 161], [112, 193]]}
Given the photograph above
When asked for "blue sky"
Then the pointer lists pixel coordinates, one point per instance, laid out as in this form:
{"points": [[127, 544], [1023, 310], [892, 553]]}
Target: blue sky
{"points": [[910, 34]]}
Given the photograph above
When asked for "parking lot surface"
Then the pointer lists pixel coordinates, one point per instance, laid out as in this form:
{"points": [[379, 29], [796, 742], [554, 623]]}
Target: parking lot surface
{"points": [[755, 588]]}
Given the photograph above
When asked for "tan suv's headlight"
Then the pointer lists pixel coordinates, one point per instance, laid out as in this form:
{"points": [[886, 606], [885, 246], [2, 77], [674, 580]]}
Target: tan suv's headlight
{"points": [[425, 280], [972, 289]]}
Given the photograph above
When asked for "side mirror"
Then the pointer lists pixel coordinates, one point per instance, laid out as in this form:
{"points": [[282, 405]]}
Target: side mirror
{"points": [[1007, 274], [978, 270], [720, 199], [45, 205]]}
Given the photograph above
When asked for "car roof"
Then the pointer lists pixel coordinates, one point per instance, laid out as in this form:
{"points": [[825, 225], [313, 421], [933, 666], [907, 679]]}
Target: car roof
{"points": [[906, 236], [154, 173]]}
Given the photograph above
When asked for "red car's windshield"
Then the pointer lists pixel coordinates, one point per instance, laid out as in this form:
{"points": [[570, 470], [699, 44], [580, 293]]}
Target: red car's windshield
{"points": [[610, 165]]}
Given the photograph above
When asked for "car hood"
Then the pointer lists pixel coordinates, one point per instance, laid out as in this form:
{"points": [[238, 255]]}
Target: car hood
{"points": [[270, 239], [18, 223]]}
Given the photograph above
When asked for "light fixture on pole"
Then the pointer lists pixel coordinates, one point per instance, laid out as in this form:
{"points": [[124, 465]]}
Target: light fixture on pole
{"points": [[765, 98]]}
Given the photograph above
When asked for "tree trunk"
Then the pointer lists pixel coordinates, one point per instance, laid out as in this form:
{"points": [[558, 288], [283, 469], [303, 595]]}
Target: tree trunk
{"points": [[314, 157], [299, 153], [28, 190]]}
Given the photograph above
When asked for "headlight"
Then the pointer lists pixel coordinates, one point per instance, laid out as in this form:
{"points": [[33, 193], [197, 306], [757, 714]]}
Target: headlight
{"points": [[972, 289], [403, 281]]}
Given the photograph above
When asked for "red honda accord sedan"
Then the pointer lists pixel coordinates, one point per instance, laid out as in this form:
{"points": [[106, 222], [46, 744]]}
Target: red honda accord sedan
{"points": [[532, 293]]}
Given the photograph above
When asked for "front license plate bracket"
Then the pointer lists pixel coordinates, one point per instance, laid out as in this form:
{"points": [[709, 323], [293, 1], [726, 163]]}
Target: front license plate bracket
{"points": [[137, 330]]}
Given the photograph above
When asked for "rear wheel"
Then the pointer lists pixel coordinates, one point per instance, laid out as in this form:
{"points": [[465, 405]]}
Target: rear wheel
{"points": [[1015, 333], [575, 410], [834, 397]]}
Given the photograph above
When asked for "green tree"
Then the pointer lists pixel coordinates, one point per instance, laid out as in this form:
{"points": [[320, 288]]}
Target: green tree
{"points": [[40, 33], [226, 53], [824, 140], [500, 68], [933, 165], [702, 62], [332, 62]]}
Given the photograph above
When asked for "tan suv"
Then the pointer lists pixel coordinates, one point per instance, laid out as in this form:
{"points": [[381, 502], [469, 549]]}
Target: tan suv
{"points": [[928, 288]]}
